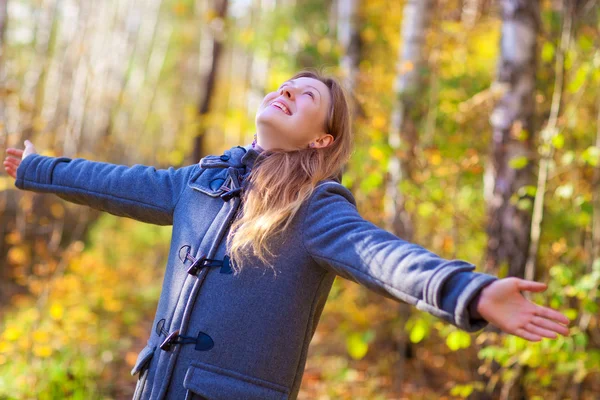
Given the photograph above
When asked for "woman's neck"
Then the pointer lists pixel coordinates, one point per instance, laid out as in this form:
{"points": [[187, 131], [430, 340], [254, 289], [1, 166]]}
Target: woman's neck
{"points": [[257, 147]]}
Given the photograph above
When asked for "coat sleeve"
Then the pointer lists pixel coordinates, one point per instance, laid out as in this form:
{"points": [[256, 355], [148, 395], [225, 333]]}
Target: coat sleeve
{"points": [[340, 240], [139, 192]]}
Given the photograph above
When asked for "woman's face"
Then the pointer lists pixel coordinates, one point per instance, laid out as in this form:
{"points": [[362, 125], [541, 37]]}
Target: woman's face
{"points": [[294, 116]]}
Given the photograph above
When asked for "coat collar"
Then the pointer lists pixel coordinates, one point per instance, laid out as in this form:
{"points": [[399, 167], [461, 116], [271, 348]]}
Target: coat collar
{"points": [[240, 157], [237, 157]]}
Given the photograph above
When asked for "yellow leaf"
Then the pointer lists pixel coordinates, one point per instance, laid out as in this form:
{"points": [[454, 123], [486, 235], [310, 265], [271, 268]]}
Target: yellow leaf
{"points": [[41, 336], [378, 121], [406, 66], [13, 238], [448, 243], [18, 255], [56, 311], [12, 333], [435, 158], [324, 46], [376, 153], [179, 9], [57, 210], [42, 351], [113, 305]]}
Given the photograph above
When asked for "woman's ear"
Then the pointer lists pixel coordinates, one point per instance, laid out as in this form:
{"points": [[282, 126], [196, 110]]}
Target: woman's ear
{"points": [[324, 141]]}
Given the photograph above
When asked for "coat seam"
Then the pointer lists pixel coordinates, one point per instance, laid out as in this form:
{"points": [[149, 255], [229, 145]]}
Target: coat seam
{"points": [[183, 187], [99, 194], [302, 235], [383, 283]]}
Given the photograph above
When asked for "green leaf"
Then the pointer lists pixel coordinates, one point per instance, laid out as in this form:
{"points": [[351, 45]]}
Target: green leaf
{"points": [[524, 204], [564, 191], [527, 190], [458, 340], [591, 156], [558, 141], [419, 331], [547, 52], [591, 307], [580, 339], [357, 347], [585, 43], [568, 157], [579, 78], [570, 313], [463, 391], [426, 208], [518, 162]]}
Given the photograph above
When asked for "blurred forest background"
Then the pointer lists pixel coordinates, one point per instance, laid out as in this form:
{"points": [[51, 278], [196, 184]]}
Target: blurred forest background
{"points": [[477, 130]]}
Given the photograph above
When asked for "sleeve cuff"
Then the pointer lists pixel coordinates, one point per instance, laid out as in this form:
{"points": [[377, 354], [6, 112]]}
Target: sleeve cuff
{"points": [[459, 296]]}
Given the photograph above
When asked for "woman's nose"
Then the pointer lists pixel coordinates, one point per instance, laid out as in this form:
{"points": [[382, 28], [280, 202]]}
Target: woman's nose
{"points": [[287, 93]]}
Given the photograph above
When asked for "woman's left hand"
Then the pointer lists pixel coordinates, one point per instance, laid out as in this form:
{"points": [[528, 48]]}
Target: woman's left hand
{"points": [[502, 305]]}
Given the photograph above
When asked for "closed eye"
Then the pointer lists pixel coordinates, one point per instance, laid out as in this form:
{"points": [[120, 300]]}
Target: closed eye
{"points": [[311, 95]]}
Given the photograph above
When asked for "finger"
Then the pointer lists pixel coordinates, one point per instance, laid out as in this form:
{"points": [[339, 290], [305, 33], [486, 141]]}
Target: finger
{"points": [[11, 167], [527, 335], [536, 330], [11, 172], [14, 152], [29, 144], [531, 286], [11, 162], [11, 158], [551, 325], [552, 314]]}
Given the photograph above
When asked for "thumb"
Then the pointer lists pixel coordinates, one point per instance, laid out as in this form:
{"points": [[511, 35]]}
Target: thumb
{"points": [[29, 149], [531, 286]]}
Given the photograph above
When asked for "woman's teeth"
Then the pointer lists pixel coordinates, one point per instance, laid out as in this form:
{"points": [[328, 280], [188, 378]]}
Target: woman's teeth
{"points": [[281, 107]]}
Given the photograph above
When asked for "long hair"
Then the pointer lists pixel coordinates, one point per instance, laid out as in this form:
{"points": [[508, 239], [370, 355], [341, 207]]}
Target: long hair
{"points": [[280, 181]]}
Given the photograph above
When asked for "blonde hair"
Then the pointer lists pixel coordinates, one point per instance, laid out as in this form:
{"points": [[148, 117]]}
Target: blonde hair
{"points": [[280, 181]]}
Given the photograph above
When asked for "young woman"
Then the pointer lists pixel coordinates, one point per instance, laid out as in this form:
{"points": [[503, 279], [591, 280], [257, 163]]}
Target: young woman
{"points": [[259, 234]]}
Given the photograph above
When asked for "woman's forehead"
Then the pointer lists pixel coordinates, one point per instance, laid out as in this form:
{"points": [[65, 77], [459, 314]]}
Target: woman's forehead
{"points": [[306, 81]]}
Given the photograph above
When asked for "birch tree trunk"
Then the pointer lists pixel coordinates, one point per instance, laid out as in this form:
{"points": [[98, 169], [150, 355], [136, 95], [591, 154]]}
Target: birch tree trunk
{"points": [[348, 35], [510, 171], [4, 216]]}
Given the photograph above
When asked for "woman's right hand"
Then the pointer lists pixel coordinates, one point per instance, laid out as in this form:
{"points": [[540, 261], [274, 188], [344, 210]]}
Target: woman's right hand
{"points": [[15, 156]]}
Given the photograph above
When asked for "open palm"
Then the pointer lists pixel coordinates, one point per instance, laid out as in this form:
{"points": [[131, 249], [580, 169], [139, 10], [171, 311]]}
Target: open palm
{"points": [[503, 305], [15, 156]]}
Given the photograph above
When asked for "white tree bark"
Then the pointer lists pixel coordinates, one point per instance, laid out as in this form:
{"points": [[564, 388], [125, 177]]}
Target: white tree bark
{"points": [[513, 132]]}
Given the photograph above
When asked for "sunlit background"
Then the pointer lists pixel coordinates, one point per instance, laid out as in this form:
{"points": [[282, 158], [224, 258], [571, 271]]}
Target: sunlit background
{"points": [[477, 132]]}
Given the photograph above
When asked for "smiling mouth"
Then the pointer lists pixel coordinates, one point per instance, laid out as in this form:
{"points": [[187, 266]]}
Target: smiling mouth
{"points": [[281, 107]]}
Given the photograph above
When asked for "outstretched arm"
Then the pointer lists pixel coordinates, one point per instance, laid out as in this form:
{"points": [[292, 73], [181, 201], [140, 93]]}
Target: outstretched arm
{"points": [[139, 192], [339, 239]]}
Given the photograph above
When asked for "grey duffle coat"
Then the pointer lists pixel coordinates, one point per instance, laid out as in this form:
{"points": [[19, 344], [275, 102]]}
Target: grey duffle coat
{"points": [[219, 336]]}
